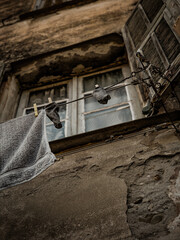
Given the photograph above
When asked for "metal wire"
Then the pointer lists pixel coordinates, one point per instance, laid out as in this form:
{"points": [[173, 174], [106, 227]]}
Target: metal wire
{"points": [[110, 88], [154, 87], [138, 81]]}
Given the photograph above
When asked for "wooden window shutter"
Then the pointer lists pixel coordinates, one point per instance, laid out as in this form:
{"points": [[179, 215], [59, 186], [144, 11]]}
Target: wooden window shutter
{"points": [[168, 40], [150, 31], [150, 51], [151, 8], [151, 54], [137, 27], [156, 39]]}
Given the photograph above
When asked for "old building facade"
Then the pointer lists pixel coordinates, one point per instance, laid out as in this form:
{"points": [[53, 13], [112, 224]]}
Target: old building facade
{"points": [[117, 169]]}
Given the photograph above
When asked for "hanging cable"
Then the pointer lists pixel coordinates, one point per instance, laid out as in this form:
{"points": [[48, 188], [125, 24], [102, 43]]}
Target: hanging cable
{"points": [[155, 90], [110, 88], [148, 81], [133, 74]]}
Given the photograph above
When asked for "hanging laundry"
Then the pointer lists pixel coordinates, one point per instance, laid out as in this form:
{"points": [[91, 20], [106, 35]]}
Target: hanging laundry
{"points": [[24, 149], [52, 113], [101, 95]]}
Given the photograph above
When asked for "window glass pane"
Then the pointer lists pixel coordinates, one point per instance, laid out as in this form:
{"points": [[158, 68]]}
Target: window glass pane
{"points": [[62, 111], [117, 96], [103, 80], [107, 118], [41, 97], [36, 97], [54, 133]]}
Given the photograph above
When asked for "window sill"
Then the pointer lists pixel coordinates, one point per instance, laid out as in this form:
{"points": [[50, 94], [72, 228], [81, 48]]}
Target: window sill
{"points": [[96, 136]]}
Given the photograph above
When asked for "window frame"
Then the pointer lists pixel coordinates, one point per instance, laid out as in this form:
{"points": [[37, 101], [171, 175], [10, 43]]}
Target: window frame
{"points": [[75, 121], [25, 98], [132, 97], [65, 120]]}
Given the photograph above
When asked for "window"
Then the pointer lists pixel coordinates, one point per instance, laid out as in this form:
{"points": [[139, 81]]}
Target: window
{"points": [[59, 94], [86, 114], [96, 115]]}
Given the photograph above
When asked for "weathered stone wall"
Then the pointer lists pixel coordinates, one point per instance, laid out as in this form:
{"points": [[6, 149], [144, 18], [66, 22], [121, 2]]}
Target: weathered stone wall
{"points": [[93, 55], [11, 9], [125, 189], [9, 98], [44, 34], [85, 195]]}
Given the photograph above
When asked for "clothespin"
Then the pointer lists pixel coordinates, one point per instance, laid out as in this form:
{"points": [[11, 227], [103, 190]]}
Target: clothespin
{"points": [[35, 110], [49, 100]]}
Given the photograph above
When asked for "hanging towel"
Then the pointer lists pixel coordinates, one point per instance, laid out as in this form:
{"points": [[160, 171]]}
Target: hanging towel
{"points": [[24, 149]]}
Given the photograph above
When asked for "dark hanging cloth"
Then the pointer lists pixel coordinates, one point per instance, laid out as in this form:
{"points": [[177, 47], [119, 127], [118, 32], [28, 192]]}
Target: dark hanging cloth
{"points": [[101, 95], [52, 113]]}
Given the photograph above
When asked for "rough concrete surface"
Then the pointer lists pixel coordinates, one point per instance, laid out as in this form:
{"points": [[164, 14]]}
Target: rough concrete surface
{"points": [[83, 196], [11, 9], [63, 28], [72, 61], [67, 207]]}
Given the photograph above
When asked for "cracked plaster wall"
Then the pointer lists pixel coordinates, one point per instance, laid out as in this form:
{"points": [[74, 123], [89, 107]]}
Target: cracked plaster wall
{"points": [[128, 189], [63, 28], [11, 9], [77, 60]]}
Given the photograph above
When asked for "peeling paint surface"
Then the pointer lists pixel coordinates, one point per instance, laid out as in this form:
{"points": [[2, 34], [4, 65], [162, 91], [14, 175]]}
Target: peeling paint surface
{"points": [[63, 28], [93, 54]]}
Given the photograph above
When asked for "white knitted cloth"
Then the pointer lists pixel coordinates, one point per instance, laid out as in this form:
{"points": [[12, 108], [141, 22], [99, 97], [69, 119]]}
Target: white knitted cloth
{"points": [[24, 149]]}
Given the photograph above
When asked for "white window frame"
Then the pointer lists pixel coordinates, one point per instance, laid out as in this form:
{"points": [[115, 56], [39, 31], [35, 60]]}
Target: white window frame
{"points": [[25, 98], [132, 97], [75, 121], [66, 119]]}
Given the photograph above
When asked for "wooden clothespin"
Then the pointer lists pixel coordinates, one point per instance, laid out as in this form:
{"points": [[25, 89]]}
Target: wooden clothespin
{"points": [[49, 100], [35, 110]]}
